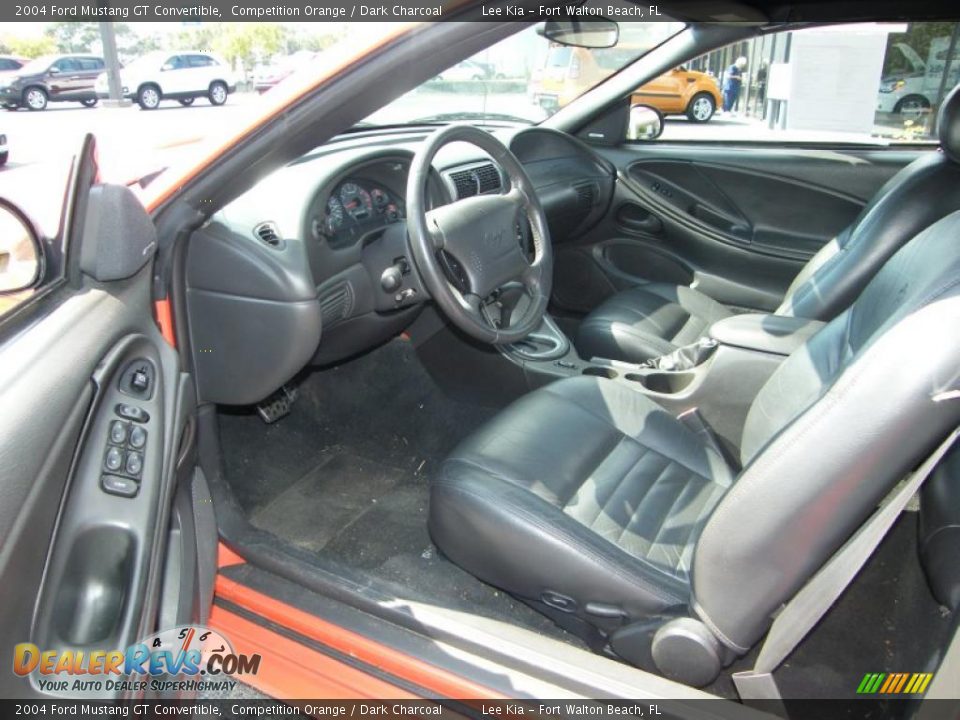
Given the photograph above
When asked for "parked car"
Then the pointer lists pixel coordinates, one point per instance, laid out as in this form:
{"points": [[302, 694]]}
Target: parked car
{"points": [[267, 75], [568, 72], [10, 64], [52, 78], [4, 151], [912, 89], [183, 76], [465, 71], [682, 92]]}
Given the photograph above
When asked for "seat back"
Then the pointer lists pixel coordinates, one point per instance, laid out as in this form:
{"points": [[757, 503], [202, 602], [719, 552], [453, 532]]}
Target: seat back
{"points": [[925, 191], [832, 431]]}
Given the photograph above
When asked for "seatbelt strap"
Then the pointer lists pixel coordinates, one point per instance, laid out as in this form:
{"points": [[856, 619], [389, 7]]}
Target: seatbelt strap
{"points": [[804, 611]]}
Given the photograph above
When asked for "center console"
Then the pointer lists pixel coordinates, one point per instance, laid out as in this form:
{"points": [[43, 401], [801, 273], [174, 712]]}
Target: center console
{"points": [[720, 375]]}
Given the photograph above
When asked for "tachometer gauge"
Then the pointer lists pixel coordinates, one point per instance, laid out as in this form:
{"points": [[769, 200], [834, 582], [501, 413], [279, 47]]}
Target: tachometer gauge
{"points": [[356, 201], [334, 216]]}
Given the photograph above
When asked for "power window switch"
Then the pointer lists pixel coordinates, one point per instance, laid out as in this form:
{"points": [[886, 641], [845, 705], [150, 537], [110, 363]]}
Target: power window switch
{"points": [[134, 464], [118, 432], [138, 437], [115, 485], [113, 460]]}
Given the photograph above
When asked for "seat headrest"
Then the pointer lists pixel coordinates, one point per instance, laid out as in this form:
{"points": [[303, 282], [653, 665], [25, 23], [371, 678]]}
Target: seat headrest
{"points": [[948, 124]]}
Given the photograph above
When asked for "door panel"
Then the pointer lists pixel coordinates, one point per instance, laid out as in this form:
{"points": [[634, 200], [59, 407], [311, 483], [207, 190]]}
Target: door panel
{"points": [[79, 565], [736, 222]]}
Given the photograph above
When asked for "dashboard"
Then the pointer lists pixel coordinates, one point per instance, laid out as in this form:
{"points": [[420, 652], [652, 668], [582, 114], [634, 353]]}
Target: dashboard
{"points": [[320, 247]]}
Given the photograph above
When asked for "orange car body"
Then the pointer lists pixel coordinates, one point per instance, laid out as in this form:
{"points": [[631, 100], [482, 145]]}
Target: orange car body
{"points": [[673, 92], [568, 72]]}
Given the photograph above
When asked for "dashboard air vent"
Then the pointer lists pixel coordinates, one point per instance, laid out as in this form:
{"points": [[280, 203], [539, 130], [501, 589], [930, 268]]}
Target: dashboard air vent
{"points": [[465, 182], [476, 181], [488, 178], [336, 303], [268, 232]]}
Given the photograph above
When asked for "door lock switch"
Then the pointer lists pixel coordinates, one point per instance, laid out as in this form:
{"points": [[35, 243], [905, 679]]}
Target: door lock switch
{"points": [[132, 412]]}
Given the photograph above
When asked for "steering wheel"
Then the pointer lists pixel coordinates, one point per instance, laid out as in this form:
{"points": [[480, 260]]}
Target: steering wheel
{"points": [[471, 254]]}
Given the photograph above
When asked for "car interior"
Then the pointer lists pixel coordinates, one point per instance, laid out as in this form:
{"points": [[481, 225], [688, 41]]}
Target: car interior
{"points": [[629, 397], [538, 391]]}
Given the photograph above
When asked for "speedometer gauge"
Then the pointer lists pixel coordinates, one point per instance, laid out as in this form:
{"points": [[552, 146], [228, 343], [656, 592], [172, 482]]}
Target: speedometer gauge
{"points": [[334, 216], [356, 201]]}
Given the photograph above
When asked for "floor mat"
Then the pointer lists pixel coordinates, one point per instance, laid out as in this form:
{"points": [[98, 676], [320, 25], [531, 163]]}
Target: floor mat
{"points": [[345, 476], [327, 500]]}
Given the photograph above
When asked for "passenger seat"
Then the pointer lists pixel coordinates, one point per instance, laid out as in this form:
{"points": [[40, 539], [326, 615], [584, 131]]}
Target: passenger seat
{"points": [[654, 319]]}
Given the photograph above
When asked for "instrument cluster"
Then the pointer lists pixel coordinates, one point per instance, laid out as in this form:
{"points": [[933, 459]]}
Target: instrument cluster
{"points": [[354, 209]]}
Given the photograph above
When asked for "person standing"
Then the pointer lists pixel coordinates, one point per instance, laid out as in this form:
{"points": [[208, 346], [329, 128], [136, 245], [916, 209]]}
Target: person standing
{"points": [[732, 81]]}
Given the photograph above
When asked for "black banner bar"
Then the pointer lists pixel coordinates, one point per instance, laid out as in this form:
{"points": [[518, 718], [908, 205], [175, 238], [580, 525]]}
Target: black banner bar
{"points": [[188, 11]]}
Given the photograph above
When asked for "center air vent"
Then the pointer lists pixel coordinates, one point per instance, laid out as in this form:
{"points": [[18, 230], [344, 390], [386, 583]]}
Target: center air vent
{"points": [[268, 232], [476, 180]]}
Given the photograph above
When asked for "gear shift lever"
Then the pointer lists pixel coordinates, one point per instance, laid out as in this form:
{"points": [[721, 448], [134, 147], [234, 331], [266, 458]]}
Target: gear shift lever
{"points": [[684, 358]]}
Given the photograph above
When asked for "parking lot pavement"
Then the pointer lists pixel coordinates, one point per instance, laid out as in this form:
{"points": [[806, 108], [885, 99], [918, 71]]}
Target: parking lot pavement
{"points": [[127, 132]]}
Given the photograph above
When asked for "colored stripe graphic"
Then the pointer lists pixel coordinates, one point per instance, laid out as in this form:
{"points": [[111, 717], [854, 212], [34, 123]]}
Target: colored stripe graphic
{"points": [[894, 683]]}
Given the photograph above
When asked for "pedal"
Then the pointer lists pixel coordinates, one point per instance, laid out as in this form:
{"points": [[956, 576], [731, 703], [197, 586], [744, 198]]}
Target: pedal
{"points": [[278, 405]]}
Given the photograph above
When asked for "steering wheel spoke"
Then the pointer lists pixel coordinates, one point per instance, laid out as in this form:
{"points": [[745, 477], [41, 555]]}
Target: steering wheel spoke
{"points": [[434, 231]]}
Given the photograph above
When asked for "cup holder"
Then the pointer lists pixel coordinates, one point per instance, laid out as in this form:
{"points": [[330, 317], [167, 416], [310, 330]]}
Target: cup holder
{"points": [[603, 372], [665, 383]]}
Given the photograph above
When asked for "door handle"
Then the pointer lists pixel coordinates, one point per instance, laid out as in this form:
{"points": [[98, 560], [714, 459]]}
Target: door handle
{"points": [[638, 219], [650, 224]]}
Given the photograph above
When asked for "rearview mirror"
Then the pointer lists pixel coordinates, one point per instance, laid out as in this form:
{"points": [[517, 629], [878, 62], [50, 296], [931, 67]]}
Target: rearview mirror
{"points": [[644, 123], [20, 258], [586, 34]]}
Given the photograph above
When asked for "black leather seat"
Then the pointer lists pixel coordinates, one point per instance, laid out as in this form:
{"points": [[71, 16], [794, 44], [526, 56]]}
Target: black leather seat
{"points": [[656, 318], [589, 501]]}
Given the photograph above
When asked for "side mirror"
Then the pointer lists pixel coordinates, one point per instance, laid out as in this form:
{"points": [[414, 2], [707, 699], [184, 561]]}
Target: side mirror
{"points": [[20, 256], [644, 123], [53, 71], [600, 33]]}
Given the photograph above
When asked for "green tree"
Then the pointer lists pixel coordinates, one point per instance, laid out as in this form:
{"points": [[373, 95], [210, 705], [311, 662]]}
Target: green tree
{"points": [[73, 37], [249, 42], [31, 47]]}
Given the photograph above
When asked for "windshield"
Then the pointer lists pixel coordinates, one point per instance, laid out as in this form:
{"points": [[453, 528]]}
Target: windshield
{"points": [[522, 79]]}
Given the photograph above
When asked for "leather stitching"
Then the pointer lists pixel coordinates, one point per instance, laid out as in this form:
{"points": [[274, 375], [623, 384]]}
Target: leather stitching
{"points": [[568, 538]]}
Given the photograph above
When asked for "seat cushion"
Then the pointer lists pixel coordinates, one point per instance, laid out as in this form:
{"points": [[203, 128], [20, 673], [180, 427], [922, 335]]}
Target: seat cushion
{"points": [[646, 322], [584, 489]]}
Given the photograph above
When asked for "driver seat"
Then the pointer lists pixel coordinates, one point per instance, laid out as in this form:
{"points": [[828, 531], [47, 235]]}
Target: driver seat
{"points": [[593, 504], [655, 319]]}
